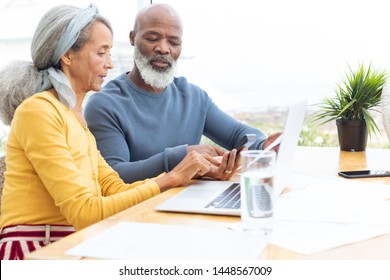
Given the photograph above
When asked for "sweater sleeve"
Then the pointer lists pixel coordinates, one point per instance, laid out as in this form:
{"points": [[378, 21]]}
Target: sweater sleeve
{"points": [[107, 124], [227, 131]]}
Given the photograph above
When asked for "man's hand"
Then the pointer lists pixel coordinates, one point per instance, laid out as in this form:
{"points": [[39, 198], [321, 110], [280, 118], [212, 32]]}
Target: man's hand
{"points": [[223, 163], [212, 151], [271, 139], [223, 168]]}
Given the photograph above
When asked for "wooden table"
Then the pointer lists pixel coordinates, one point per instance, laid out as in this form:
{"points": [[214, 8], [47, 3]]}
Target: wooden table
{"points": [[324, 161]]}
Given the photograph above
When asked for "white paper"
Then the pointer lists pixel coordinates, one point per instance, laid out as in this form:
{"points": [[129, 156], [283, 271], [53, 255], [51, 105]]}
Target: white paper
{"points": [[335, 210], [130, 240], [308, 238], [340, 201], [320, 213]]}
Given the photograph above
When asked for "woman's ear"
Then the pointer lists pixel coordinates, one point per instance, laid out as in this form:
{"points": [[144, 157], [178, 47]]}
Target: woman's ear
{"points": [[66, 58]]}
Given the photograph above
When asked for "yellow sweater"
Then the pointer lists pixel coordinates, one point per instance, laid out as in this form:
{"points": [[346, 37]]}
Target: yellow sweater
{"points": [[56, 175]]}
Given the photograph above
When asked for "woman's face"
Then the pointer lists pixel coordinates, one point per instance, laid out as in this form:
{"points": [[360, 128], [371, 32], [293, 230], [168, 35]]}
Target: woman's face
{"points": [[87, 68]]}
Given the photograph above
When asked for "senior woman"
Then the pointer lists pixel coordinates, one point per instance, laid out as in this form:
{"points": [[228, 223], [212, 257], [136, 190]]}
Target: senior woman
{"points": [[56, 180]]}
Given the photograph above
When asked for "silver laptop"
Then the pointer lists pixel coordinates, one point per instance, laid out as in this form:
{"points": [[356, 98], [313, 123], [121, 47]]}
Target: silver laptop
{"points": [[223, 197]]}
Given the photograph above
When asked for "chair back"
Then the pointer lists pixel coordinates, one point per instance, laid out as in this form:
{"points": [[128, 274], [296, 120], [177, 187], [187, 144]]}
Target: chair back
{"points": [[2, 170]]}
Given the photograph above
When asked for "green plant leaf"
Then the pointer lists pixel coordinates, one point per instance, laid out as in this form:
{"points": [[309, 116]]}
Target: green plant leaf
{"points": [[358, 93]]}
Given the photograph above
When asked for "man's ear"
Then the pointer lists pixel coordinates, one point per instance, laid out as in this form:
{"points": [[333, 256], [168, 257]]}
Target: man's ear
{"points": [[132, 37]]}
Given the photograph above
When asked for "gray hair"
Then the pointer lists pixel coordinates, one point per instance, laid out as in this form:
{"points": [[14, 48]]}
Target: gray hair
{"points": [[18, 80]]}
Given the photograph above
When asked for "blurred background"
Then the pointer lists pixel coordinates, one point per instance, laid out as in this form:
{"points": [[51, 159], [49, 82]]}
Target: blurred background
{"points": [[253, 57]]}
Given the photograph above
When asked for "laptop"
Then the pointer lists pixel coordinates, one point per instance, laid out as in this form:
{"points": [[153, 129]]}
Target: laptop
{"points": [[223, 197]]}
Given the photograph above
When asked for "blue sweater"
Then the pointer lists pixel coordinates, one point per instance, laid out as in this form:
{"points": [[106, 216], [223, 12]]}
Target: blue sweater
{"points": [[142, 134]]}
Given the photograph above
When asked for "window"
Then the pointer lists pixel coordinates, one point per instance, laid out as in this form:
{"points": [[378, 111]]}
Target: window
{"points": [[247, 54]]}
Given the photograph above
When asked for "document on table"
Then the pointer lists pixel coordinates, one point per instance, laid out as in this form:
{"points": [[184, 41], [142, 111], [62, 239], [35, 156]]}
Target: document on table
{"points": [[328, 213], [337, 201], [310, 237], [131, 240]]}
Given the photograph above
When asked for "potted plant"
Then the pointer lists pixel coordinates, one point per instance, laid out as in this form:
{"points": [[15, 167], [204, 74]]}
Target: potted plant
{"points": [[357, 95]]}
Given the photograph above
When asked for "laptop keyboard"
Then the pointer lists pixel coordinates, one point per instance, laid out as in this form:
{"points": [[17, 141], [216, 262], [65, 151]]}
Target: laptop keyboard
{"points": [[229, 199]]}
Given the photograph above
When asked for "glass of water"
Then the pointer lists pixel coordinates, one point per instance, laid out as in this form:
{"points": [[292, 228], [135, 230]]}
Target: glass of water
{"points": [[257, 191]]}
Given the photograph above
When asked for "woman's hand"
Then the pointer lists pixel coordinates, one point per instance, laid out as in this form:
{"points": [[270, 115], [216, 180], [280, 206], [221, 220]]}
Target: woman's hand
{"points": [[193, 165]]}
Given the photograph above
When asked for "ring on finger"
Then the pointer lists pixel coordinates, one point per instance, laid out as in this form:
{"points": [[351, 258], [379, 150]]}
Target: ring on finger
{"points": [[227, 171]]}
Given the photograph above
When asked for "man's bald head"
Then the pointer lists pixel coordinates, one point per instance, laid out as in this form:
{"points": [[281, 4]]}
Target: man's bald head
{"points": [[154, 12]]}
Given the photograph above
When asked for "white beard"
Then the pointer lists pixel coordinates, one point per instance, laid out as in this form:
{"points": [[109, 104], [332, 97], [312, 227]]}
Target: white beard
{"points": [[151, 76]]}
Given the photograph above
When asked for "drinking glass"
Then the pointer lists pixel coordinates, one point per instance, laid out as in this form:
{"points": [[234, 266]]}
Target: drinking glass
{"points": [[257, 191]]}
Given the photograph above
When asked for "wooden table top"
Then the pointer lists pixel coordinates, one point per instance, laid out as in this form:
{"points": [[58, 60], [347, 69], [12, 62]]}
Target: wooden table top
{"points": [[321, 160]]}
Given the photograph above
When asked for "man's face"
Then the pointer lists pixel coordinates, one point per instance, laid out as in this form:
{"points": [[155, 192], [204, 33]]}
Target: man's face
{"points": [[157, 46], [157, 71]]}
